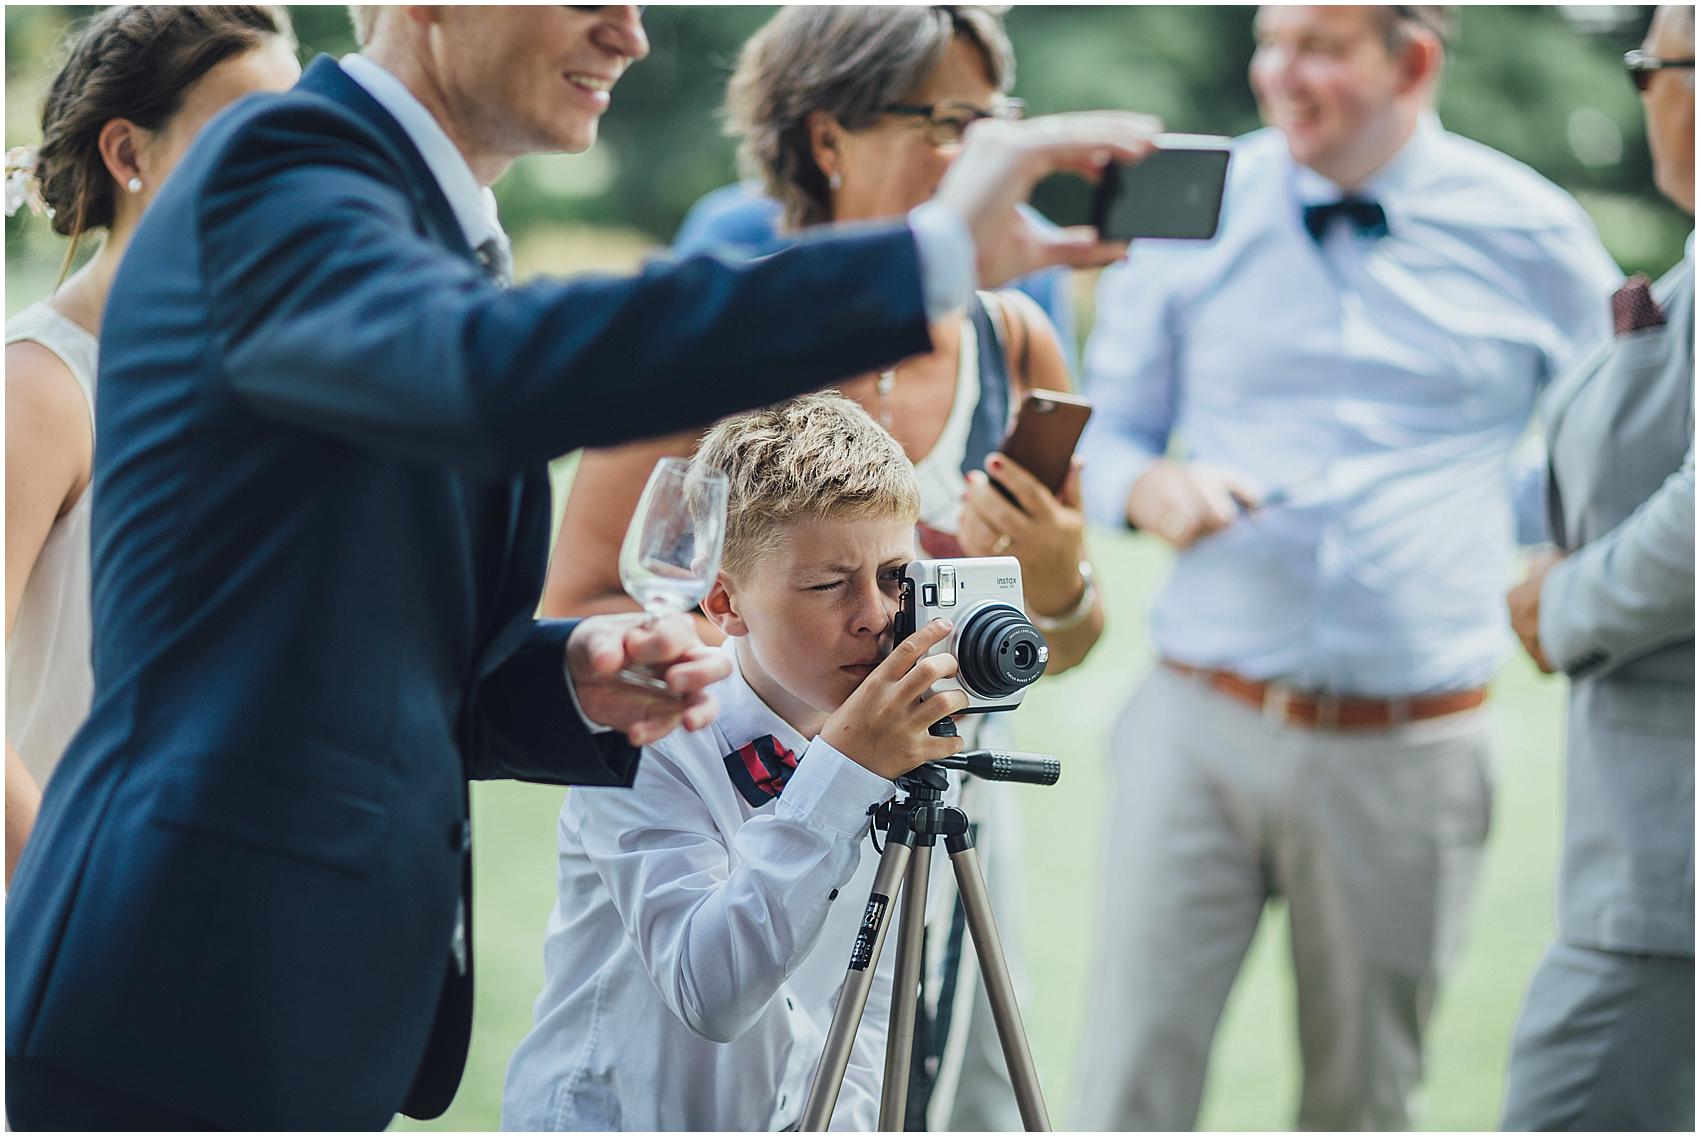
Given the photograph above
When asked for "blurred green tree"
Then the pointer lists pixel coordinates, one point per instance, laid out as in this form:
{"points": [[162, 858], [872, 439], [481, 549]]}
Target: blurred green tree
{"points": [[1540, 83]]}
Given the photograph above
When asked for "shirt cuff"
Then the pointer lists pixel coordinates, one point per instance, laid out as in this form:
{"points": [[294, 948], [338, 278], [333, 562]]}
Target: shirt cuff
{"points": [[1108, 480], [946, 252], [833, 791], [590, 724]]}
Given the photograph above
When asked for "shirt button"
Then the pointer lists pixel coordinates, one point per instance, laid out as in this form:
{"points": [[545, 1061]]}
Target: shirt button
{"points": [[833, 895], [460, 835]]}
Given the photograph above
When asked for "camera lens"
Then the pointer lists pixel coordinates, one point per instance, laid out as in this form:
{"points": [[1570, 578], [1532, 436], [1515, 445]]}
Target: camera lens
{"points": [[999, 651]]}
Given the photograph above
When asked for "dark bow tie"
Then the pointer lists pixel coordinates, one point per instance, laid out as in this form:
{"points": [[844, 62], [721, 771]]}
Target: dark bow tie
{"points": [[1364, 215], [760, 769]]}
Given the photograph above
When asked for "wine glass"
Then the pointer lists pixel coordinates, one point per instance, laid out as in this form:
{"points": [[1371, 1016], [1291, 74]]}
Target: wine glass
{"points": [[671, 553]]}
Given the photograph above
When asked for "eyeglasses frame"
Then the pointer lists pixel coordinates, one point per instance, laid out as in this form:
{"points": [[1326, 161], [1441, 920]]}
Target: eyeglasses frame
{"points": [[1641, 67], [1007, 109]]}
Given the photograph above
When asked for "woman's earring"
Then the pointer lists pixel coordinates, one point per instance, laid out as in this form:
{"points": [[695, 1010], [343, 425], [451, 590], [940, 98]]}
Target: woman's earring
{"points": [[134, 185], [835, 180]]}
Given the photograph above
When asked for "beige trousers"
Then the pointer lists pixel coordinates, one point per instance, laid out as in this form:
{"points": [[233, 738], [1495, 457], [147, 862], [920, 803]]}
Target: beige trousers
{"points": [[1373, 839]]}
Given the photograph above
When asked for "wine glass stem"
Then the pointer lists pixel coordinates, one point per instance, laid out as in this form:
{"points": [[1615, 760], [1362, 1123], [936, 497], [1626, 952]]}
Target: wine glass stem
{"points": [[647, 677]]}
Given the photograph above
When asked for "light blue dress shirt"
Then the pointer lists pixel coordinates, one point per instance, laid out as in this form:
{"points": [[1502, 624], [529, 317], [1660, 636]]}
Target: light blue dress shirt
{"points": [[1386, 381]]}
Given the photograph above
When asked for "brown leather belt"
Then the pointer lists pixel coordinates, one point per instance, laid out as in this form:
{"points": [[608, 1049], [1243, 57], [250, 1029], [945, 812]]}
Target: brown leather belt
{"points": [[1282, 703]]}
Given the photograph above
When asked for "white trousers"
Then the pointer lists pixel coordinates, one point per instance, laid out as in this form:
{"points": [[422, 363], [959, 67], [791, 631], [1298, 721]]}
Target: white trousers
{"points": [[1373, 838]]}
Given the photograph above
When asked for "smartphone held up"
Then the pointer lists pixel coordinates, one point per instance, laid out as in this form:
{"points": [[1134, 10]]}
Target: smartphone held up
{"points": [[1174, 194]]}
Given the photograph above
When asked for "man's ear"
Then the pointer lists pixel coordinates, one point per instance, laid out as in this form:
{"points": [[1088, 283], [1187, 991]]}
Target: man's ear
{"points": [[721, 607], [1420, 62], [825, 134]]}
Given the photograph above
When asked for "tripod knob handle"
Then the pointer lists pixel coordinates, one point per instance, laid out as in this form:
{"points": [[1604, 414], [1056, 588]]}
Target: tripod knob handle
{"points": [[1007, 766]]}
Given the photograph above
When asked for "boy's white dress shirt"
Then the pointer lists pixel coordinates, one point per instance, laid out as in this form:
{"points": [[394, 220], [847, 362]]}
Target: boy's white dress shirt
{"points": [[697, 944]]}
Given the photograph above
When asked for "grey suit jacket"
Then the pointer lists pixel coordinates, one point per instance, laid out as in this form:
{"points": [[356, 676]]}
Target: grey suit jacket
{"points": [[1618, 616]]}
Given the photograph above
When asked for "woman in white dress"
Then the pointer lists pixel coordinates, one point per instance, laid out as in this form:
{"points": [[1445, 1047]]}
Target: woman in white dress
{"points": [[138, 85]]}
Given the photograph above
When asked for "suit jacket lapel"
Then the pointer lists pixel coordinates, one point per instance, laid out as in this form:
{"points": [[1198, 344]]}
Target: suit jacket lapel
{"points": [[326, 78]]}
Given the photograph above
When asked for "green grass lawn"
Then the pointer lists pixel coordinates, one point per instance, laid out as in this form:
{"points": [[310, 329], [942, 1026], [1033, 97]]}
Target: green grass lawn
{"points": [[1254, 1080]]}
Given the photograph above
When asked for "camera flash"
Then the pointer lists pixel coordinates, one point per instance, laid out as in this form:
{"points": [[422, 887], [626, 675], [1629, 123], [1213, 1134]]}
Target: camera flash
{"points": [[947, 586]]}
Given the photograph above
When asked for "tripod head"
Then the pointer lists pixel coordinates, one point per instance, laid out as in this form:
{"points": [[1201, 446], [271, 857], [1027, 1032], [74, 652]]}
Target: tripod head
{"points": [[928, 781], [996, 765], [919, 804]]}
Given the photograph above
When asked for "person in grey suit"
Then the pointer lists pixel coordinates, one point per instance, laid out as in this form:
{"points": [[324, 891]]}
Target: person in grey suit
{"points": [[1606, 1035]]}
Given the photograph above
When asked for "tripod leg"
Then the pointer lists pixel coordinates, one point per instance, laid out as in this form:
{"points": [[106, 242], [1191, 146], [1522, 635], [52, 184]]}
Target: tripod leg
{"points": [[1000, 992], [906, 981], [853, 996]]}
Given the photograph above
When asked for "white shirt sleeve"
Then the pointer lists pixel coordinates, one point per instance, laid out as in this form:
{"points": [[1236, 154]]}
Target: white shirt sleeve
{"points": [[946, 252], [1130, 376], [721, 928]]}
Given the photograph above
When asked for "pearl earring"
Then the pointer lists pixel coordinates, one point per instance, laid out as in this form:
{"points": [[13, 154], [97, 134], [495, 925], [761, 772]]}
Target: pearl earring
{"points": [[134, 185], [835, 180]]}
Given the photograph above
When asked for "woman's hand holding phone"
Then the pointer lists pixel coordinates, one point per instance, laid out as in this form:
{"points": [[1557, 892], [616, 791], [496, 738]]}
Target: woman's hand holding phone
{"points": [[1045, 531]]}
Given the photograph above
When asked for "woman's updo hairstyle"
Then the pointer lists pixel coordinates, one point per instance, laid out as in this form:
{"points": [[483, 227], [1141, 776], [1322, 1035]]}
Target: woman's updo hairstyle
{"points": [[133, 62], [850, 62]]}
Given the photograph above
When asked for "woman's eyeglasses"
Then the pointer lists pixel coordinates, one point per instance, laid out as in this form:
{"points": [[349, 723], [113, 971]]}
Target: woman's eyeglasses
{"points": [[946, 123], [1641, 67]]}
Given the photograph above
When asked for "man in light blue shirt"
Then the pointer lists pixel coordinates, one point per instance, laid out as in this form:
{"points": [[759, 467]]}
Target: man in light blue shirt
{"points": [[1348, 367]]}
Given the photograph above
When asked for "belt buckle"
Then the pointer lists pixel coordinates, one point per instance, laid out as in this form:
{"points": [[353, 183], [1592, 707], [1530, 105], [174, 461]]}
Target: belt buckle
{"points": [[1277, 697], [1328, 711]]}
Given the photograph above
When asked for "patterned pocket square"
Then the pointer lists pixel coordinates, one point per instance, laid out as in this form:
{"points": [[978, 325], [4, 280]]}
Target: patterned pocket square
{"points": [[1633, 308]]}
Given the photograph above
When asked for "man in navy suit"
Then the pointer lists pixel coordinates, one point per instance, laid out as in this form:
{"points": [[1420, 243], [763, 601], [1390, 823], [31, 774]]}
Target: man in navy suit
{"points": [[319, 538]]}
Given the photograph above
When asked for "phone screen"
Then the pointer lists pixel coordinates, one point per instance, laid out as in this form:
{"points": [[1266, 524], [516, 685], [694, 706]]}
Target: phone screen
{"points": [[1176, 194]]}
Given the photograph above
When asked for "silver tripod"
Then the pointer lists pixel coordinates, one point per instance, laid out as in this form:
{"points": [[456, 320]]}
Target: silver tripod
{"points": [[913, 824]]}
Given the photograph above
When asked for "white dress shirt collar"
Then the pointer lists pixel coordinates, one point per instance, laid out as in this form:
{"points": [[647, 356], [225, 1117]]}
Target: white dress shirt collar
{"points": [[1397, 175], [744, 717], [474, 205]]}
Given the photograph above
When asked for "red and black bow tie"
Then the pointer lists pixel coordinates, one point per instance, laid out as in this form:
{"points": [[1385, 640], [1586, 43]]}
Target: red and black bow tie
{"points": [[760, 769]]}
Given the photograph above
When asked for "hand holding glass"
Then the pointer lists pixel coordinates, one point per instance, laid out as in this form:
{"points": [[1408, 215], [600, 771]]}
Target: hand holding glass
{"points": [[671, 553]]}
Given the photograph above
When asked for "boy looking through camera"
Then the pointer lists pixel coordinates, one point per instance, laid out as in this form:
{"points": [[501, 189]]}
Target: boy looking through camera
{"points": [[704, 917]]}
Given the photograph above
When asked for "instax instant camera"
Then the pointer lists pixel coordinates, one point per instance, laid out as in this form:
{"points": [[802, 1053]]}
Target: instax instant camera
{"points": [[999, 653]]}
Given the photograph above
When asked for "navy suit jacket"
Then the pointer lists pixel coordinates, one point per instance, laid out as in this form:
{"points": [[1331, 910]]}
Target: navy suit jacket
{"points": [[320, 531]]}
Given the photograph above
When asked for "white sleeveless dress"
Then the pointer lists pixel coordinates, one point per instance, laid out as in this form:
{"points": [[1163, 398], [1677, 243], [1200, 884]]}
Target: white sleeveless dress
{"points": [[940, 470], [49, 680]]}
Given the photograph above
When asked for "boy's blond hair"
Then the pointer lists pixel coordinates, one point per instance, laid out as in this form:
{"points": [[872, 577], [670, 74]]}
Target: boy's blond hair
{"points": [[812, 457]]}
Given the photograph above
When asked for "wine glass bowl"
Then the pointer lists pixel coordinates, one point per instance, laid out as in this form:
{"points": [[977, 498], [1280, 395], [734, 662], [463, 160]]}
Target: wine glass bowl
{"points": [[671, 552]]}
